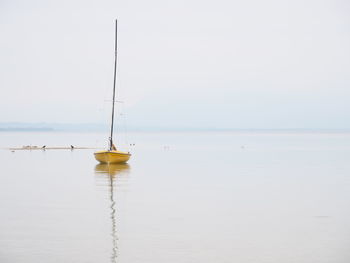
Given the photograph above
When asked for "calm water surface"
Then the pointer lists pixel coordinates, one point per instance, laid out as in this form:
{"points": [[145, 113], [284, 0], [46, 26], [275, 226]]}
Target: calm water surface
{"points": [[183, 197]]}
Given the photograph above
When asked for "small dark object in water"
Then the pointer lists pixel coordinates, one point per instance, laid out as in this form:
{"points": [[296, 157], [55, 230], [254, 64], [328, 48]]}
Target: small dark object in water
{"points": [[72, 147], [44, 147]]}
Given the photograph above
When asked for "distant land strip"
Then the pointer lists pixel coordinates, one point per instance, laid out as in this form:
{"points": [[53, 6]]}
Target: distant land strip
{"points": [[25, 129], [98, 127]]}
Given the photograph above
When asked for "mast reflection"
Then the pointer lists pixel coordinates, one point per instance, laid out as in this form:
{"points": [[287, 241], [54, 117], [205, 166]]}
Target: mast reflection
{"points": [[113, 174]]}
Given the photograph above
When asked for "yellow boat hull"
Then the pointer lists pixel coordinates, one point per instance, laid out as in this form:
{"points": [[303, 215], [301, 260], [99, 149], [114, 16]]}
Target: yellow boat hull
{"points": [[112, 156]]}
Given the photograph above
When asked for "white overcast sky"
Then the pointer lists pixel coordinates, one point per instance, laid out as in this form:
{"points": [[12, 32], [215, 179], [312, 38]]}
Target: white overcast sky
{"points": [[193, 63]]}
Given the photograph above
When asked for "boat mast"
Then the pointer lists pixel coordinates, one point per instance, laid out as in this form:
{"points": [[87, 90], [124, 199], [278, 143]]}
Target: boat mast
{"points": [[114, 82]]}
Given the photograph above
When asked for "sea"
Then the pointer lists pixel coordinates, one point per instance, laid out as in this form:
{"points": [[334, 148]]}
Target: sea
{"points": [[184, 197]]}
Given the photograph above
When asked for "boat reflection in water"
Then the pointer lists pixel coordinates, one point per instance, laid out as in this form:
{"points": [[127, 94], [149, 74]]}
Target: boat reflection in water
{"points": [[112, 169], [113, 176]]}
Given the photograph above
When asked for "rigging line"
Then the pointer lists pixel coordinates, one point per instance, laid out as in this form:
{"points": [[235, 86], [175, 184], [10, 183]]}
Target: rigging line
{"points": [[121, 118], [125, 129]]}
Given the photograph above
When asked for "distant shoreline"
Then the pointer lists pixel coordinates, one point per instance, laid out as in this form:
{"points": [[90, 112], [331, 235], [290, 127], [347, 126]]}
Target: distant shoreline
{"points": [[25, 129], [175, 130], [98, 127]]}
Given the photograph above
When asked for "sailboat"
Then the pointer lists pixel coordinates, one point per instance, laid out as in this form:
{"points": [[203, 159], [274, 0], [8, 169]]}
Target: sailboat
{"points": [[112, 155]]}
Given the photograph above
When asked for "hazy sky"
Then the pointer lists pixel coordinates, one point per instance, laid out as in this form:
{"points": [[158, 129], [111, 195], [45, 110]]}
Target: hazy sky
{"points": [[193, 63]]}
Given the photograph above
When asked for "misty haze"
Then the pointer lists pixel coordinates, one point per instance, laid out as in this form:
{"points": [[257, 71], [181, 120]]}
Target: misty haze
{"points": [[210, 131]]}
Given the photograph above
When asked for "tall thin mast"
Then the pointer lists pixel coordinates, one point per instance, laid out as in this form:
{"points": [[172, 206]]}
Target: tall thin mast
{"points": [[114, 82]]}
